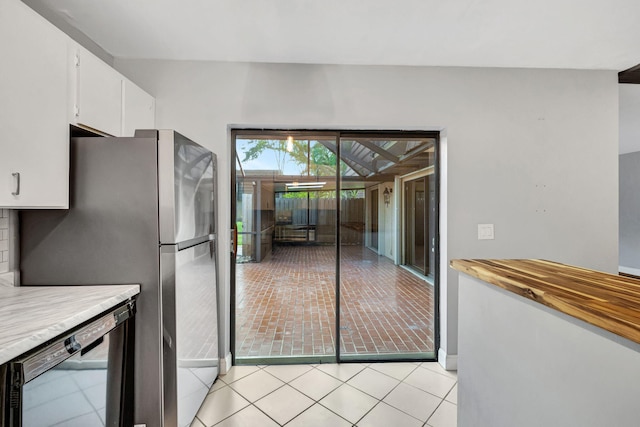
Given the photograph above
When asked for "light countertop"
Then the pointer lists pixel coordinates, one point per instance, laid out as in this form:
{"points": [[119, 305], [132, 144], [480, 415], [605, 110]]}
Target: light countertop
{"points": [[608, 301], [32, 315]]}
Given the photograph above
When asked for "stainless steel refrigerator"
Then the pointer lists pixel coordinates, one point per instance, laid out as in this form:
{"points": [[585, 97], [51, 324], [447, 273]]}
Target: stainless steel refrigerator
{"points": [[142, 210]]}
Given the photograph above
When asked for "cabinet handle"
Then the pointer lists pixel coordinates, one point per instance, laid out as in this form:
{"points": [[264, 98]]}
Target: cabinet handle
{"points": [[16, 183]]}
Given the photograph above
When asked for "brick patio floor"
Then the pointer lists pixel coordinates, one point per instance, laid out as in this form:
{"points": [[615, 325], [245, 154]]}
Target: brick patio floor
{"points": [[285, 305]]}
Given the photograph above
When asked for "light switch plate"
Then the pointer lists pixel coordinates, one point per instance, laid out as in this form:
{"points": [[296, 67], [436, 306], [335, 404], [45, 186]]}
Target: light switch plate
{"points": [[485, 232]]}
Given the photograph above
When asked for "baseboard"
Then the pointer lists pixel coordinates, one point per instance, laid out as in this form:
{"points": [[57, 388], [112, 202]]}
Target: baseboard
{"points": [[225, 364], [448, 362]]}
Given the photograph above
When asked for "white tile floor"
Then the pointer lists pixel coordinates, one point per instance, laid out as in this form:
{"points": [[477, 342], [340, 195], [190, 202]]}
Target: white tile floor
{"points": [[363, 395]]}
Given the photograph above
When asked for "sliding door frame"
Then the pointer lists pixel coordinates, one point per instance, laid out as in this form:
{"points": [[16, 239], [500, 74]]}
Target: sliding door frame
{"points": [[339, 135]]}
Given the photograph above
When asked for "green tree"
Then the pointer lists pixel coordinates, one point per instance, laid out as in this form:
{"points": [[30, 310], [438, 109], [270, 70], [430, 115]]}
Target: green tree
{"points": [[322, 161], [256, 147], [315, 161], [294, 195]]}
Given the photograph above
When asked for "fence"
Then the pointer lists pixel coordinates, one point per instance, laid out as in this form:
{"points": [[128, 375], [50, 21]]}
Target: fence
{"points": [[315, 219]]}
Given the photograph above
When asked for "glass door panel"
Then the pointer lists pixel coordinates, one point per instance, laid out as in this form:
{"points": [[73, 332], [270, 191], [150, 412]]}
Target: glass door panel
{"points": [[415, 219], [387, 312], [286, 262], [420, 217]]}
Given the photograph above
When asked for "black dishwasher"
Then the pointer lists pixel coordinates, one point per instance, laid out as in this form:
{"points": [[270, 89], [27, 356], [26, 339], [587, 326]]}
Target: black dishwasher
{"points": [[82, 378]]}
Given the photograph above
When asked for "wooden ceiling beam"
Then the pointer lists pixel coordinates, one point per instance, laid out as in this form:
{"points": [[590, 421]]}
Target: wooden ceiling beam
{"points": [[379, 150], [350, 157]]}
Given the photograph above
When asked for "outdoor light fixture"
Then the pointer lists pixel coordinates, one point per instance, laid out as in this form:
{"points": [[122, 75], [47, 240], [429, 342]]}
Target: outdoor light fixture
{"points": [[289, 144], [387, 196], [304, 185]]}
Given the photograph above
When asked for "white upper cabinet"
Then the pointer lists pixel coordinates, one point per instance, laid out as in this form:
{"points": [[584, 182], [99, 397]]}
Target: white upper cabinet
{"points": [[138, 109], [48, 81], [34, 125], [105, 100], [98, 98]]}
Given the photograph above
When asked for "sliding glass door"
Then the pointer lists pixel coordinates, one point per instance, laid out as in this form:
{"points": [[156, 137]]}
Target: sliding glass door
{"points": [[322, 223]]}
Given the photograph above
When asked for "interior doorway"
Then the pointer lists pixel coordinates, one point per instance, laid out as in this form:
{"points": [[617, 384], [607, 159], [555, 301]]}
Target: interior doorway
{"points": [[322, 226], [420, 219]]}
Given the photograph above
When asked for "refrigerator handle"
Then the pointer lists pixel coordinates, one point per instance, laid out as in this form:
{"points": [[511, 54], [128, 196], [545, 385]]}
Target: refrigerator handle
{"points": [[234, 240]]}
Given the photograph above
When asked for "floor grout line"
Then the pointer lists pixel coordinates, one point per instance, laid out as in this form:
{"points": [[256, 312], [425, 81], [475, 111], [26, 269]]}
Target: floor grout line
{"points": [[317, 401]]}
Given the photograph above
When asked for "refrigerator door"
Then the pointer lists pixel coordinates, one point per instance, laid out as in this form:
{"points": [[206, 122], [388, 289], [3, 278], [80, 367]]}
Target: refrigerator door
{"points": [[190, 329], [186, 180], [109, 235]]}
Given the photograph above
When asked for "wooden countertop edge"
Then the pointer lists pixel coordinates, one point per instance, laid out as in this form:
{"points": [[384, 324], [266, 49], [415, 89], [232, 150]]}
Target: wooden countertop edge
{"points": [[591, 309]]}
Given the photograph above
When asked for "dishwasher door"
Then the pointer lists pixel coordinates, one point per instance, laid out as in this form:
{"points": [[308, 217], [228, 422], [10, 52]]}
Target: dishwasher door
{"points": [[81, 379]]}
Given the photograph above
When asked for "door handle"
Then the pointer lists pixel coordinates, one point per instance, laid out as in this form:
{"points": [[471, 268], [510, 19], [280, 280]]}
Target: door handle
{"points": [[16, 183], [234, 240]]}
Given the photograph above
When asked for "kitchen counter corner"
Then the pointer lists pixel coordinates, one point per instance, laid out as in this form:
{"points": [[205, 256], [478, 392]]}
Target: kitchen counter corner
{"points": [[32, 315], [605, 300]]}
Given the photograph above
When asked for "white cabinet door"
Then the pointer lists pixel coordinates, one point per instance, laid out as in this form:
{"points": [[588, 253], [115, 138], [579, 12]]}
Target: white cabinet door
{"points": [[34, 126], [138, 109], [98, 94]]}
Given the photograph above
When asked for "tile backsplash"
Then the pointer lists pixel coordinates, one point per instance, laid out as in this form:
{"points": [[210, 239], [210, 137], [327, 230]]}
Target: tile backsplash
{"points": [[4, 240]]}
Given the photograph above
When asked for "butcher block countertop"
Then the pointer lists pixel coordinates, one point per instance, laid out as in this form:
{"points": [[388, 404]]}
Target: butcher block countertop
{"points": [[605, 300], [32, 315]]}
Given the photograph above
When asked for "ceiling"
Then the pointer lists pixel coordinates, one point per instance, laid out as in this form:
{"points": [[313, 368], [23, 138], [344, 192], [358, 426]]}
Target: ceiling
{"points": [[579, 34]]}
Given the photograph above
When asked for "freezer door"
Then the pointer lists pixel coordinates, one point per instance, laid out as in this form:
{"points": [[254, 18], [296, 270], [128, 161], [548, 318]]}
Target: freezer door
{"points": [[186, 180], [190, 329]]}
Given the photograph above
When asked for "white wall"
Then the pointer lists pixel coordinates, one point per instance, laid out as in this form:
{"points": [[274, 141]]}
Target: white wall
{"points": [[533, 151], [630, 213], [629, 178], [629, 114], [388, 236], [386, 221], [540, 368]]}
